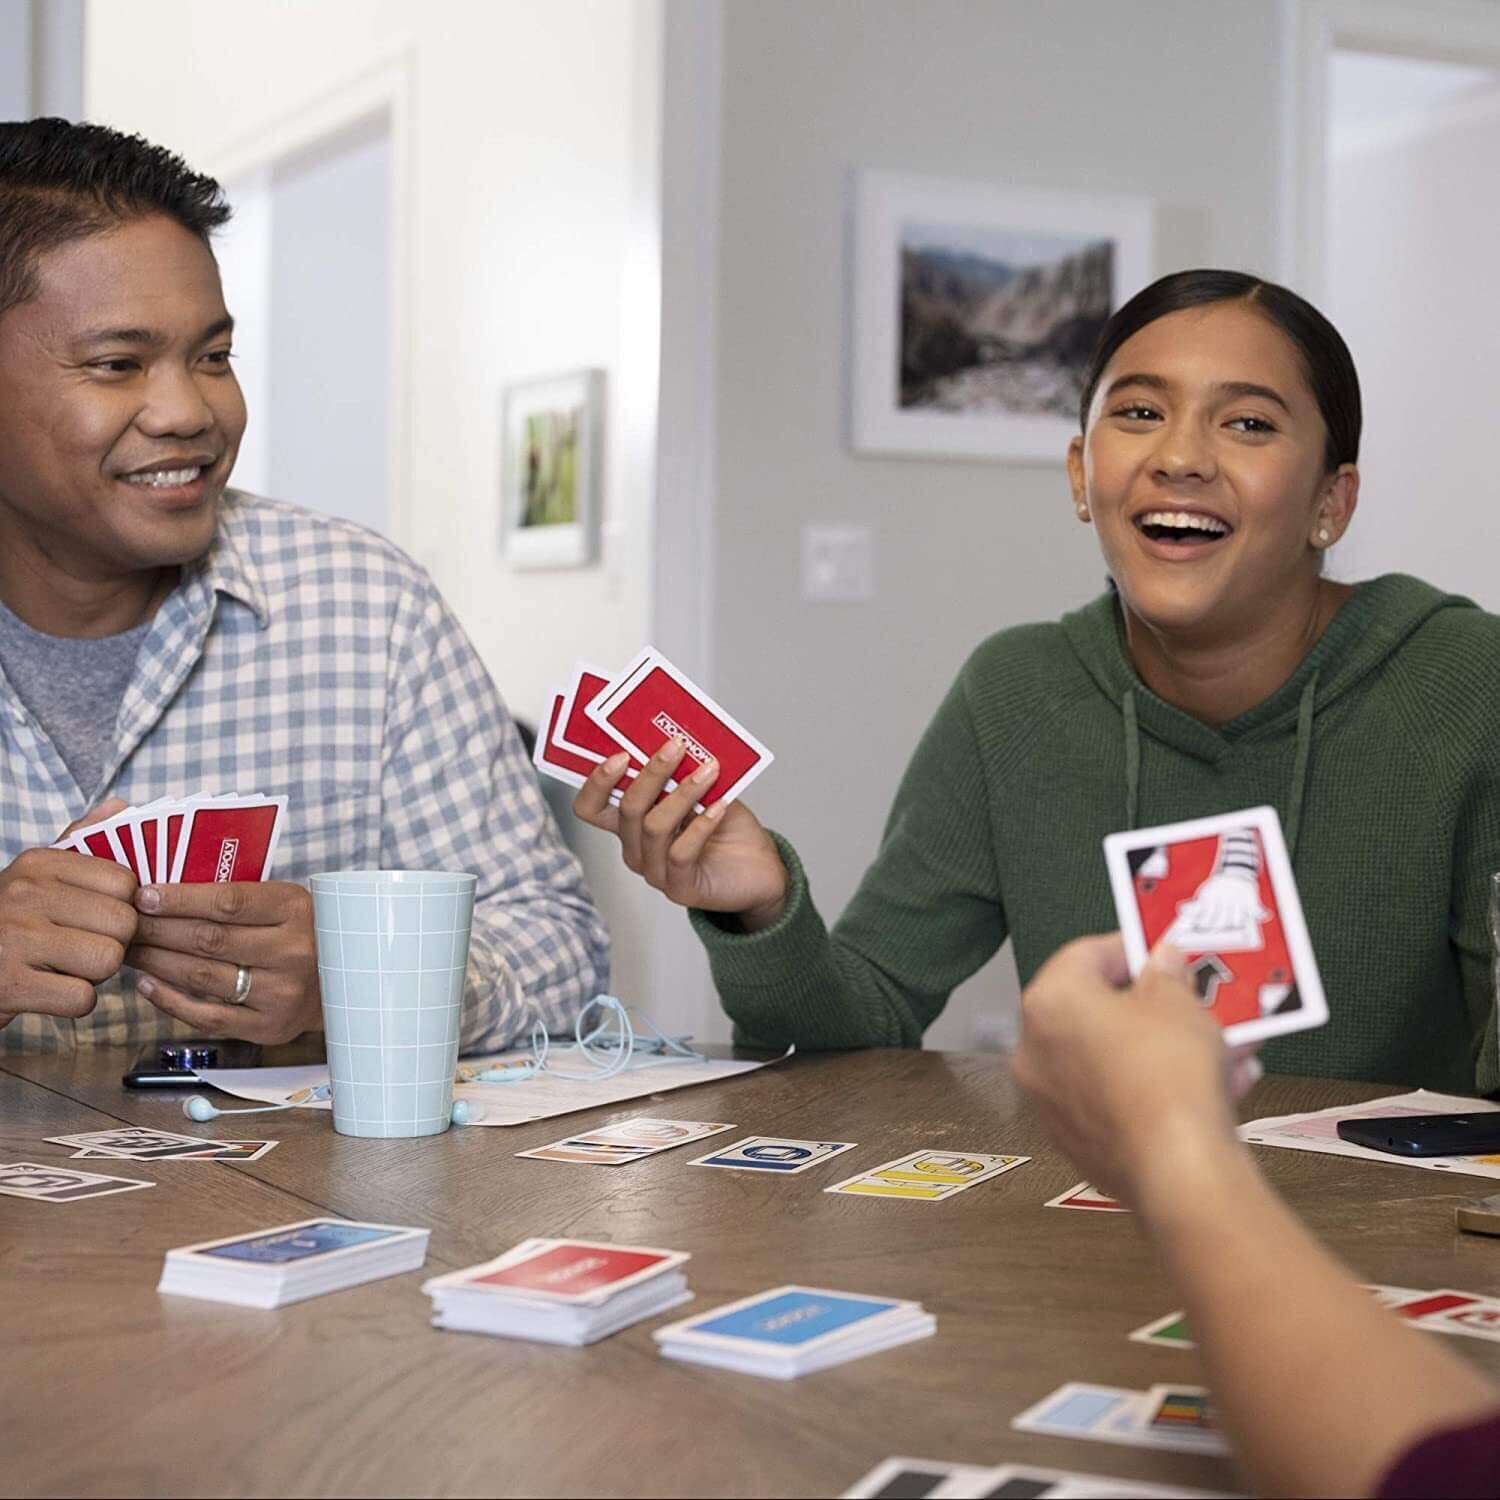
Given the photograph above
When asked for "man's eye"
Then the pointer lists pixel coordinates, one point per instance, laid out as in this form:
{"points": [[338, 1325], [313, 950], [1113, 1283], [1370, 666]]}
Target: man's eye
{"points": [[219, 357], [121, 366]]}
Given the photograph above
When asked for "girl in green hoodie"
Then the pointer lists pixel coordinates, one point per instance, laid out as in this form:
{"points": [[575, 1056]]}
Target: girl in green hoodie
{"points": [[1220, 426]]}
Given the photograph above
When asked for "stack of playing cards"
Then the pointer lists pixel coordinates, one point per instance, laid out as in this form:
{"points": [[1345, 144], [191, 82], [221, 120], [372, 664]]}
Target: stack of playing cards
{"points": [[793, 1330], [929, 1479], [1221, 891], [292, 1261], [639, 709], [559, 1291], [1167, 1416], [195, 840]]}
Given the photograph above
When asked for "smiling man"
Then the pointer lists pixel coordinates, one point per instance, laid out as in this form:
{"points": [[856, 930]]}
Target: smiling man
{"points": [[162, 634]]}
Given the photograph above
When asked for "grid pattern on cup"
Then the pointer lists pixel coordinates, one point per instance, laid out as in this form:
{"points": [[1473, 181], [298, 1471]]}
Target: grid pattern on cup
{"points": [[392, 954]]}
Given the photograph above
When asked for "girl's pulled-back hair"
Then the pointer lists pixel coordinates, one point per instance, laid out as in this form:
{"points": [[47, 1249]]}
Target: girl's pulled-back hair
{"points": [[1325, 355]]}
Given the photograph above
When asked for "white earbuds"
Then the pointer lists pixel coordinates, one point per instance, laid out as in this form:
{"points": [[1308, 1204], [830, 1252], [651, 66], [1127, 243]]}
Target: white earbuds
{"points": [[198, 1108]]}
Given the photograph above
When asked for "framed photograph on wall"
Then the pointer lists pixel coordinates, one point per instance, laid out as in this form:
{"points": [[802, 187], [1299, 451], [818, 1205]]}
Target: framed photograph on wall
{"points": [[975, 307], [550, 470]]}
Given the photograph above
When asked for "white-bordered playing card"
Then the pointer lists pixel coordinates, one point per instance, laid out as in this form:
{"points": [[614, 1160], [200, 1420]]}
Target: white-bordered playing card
{"points": [[787, 1322], [48, 1184], [927, 1176], [772, 1154], [1221, 891], [1086, 1196], [586, 1272], [323, 1240], [651, 701], [132, 1141]]}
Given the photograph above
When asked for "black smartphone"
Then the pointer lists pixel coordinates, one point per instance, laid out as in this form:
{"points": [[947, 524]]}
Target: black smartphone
{"points": [[1426, 1135], [173, 1065]]}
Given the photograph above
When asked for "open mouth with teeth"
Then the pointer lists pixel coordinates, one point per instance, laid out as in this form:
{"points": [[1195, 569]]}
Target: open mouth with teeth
{"points": [[1191, 528]]}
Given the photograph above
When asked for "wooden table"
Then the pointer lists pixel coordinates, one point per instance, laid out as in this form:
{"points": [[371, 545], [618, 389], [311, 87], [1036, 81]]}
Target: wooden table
{"points": [[108, 1388]]}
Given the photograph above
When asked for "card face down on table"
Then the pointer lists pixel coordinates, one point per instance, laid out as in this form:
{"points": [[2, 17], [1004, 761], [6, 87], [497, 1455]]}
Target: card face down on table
{"points": [[1221, 891]]}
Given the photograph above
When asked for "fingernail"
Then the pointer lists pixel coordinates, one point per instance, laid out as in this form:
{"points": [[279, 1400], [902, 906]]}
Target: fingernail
{"points": [[146, 986], [617, 763], [1167, 957], [705, 773], [716, 812], [672, 751], [1254, 1070], [150, 898]]}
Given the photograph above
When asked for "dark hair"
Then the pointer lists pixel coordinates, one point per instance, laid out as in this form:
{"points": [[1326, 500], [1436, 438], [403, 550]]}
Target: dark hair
{"points": [[61, 182], [1325, 355]]}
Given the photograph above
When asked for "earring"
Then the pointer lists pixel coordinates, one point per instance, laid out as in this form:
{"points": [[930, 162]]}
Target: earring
{"points": [[1083, 513], [1322, 536]]}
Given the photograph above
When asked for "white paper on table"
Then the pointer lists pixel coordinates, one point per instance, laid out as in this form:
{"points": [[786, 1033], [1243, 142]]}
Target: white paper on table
{"points": [[537, 1098], [1317, 1131]]}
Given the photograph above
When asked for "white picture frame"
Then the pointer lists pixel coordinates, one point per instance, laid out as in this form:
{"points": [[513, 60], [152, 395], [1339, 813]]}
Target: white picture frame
{"points": [[551, 442], [1007, 403]]}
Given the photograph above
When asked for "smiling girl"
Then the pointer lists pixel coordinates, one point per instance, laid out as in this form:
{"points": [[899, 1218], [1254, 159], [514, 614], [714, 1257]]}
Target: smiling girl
{"points": [[1220, 428]]}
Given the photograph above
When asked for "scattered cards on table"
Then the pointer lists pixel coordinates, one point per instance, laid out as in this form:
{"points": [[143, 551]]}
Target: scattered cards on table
{"points": [[1221, 891], [1444, 1311], [135, 1143], [1167, 1416], [793, 1330], [292, 1261], [192, 840], [1087, 1197], [773, 1153], [926, 1479], [560, 1291], [625, 1141], [639, 709], [927, 1176], [44, 1184]]}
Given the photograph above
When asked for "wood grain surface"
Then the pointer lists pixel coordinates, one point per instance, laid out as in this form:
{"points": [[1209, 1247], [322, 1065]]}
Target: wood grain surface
{"points": [[108, 1388]]}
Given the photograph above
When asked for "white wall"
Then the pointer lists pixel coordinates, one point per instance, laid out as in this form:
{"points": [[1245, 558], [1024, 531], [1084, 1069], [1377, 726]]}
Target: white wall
{"points": [[15, 59], [1177, 102], [532, 166], [1412, 228]]}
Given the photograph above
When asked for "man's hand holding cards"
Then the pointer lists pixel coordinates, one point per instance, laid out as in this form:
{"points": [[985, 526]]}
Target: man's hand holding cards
{"points": [[659, 764], [1220, 890], [215, 942]]}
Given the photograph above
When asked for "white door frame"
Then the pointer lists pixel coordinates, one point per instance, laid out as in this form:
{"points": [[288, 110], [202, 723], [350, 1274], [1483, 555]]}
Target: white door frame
{"points": [[1460, 31], [381, 87]]}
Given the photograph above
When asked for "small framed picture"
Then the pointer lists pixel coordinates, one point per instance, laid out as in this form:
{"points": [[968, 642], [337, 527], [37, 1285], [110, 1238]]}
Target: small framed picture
{"points": [[975, 309], [550, 470]]}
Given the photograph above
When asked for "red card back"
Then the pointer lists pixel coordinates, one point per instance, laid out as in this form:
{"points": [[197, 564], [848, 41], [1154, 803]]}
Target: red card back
{"points": [[228, 843], [657, 708], [570, 1270]]}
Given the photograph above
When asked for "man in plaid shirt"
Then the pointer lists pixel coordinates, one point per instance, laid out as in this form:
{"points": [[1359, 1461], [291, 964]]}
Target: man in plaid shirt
{"points": [[161, 634]]}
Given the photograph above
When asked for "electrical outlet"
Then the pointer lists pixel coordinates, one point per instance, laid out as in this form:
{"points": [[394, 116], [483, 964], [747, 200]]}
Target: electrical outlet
{"points": [[838, 564]]}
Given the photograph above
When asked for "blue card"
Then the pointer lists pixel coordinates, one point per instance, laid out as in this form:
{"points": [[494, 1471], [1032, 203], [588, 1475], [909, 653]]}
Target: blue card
{"points": [[300, 1242], [788, 1318]]}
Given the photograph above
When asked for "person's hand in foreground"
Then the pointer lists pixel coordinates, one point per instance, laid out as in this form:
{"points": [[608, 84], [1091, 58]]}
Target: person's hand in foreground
{"points": [[1319, 1389], [65, 920], [192, 941]]}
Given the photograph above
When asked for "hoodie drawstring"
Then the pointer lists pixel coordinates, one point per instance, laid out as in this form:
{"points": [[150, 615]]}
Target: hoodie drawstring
{"points": [[1299, 765], [1300, 761], [1132, 760]]}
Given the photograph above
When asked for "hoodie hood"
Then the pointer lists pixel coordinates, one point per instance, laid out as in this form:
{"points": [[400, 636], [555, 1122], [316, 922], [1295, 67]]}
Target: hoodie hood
{"points": [[1374, 621]]}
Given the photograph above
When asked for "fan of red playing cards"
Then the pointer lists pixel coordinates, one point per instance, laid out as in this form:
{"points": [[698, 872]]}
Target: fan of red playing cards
{"points": [[639, 709], [194, 840]]}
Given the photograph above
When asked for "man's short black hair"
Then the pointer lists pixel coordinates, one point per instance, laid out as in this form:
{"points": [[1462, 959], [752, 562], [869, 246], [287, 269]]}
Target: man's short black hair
{"points": [[60, 182]]}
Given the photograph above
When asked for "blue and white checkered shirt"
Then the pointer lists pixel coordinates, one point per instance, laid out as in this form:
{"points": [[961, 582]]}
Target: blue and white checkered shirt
{"points": [[306, 656]]}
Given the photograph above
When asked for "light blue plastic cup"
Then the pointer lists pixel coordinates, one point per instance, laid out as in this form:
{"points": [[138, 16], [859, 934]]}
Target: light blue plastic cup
{"points": [[393, 946]]}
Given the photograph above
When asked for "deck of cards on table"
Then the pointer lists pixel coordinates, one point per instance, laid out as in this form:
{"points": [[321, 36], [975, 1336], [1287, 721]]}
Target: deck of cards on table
{"points": [[639, 709], [1179, 1417], [792, 1330], [928, 1479], [560, 1291], [292, 1261], [192, 841], [1221, 891]]}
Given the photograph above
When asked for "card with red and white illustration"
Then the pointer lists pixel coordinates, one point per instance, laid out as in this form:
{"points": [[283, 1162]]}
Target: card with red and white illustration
{"points": [[1221, 891], [1086, 1196], [587, 1272], [651, 701], [563, 763], [191, 840]]}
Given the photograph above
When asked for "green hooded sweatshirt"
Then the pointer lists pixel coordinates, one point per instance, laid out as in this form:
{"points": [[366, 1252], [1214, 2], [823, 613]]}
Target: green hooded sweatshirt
{"points": [[1381, 753]]}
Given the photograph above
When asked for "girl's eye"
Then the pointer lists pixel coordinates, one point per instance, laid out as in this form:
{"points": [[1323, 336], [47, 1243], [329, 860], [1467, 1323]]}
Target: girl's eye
{"points": [[1136, 411], [1253, 424], [220, 357]]}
